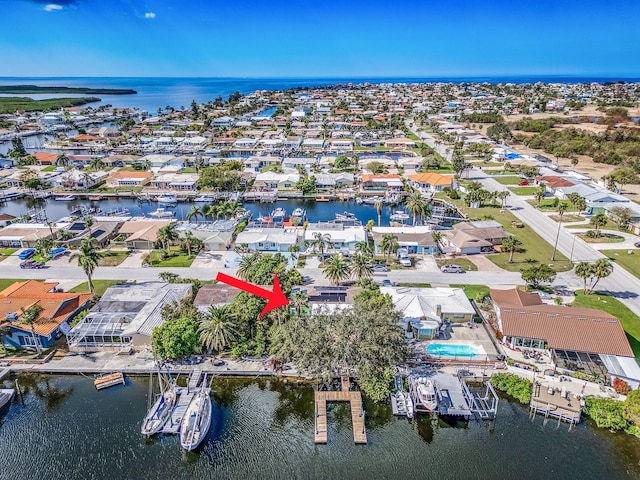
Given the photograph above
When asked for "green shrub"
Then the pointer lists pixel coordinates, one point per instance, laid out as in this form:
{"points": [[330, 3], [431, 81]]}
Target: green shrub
{"points": [[519, 388], [606, 413]]}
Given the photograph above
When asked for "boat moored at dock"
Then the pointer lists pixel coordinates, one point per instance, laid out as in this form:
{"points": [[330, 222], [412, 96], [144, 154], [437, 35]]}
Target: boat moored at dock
{"points": [[197, 419]]}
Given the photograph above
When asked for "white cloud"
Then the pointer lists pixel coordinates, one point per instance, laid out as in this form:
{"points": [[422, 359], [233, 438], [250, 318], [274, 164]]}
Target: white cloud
{"points": [[149, 15], [52, 6]]}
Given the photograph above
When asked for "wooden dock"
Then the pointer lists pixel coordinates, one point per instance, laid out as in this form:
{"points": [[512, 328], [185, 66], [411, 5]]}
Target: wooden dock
{"points": [[357, 412], [194, 379], [4, 372], [109, 380], [554, 405], [172, 426]]}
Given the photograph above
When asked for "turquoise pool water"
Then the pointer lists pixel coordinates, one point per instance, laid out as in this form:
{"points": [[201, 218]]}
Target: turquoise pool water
{"points": [[452, 350]]}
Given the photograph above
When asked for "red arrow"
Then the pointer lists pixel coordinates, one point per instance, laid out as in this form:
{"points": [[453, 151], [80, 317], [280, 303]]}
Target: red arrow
{"points": [[274, 299]]}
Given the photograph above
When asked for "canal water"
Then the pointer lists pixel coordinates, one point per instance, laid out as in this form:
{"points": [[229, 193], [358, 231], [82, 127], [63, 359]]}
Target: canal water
{"points": [[264, 429], [316, 211]]}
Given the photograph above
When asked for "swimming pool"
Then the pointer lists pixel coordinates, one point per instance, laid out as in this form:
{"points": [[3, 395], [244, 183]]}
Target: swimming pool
{"points": [[452, 350]]}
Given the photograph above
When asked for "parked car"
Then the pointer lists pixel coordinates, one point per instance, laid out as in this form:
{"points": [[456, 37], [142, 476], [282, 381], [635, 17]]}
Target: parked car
{"points": [[452, 269], [387, 283], [523, 183], [27, 253], [637, 244], [32, 264], [56, 252], [380, 268]]}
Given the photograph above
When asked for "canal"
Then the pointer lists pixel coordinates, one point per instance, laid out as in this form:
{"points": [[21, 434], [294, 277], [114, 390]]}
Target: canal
{"points": [[263, 429]]}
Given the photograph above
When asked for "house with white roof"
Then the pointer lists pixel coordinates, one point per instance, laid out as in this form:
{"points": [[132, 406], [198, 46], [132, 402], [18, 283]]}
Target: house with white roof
{"points": [[342, 238], [280, 181], [269, 239]]}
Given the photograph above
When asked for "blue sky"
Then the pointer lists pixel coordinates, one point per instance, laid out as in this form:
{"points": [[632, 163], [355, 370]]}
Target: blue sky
{"points": [[279, 38]]}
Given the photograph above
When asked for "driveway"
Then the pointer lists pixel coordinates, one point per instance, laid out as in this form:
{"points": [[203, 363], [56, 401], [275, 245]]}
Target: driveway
{"points": [[210, 260], [484, 264]]}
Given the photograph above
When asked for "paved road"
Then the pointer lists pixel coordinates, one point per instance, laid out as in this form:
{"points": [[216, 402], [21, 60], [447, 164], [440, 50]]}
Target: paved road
{"points": [[620, 284]]}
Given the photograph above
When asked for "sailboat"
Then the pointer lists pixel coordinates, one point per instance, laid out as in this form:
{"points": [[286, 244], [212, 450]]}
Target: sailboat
{"points": [[6, 394], [161, 409], [197, 419]]}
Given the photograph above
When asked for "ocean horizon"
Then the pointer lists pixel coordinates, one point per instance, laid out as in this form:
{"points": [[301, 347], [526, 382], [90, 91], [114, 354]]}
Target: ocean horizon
{"points": [[160, 92]]}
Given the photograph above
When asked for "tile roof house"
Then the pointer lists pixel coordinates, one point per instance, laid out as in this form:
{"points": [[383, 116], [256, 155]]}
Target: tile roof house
{"points": [[417, 240], [128, 179], [473, 237], [58, 308], [431, 181]]}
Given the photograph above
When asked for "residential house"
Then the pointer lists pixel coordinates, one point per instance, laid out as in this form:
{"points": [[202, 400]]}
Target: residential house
{"points": [[342, 238], [216, 295], [313, 144], [125, 316], [402, 143], [273, 240], [176, 182], [57, 309], [140, 234], [120, 179], [468, 238], [426, 310], [279, 181], [326, 299], [576, 339], [431, 182], [417, 240], [381, 182], [23, 235], [79, 179], [102, 232]]}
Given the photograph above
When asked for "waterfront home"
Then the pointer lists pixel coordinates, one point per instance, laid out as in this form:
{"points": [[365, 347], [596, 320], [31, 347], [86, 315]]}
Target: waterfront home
{"points": [[431, 182], [50, 119], [125, 317], [245, 143], [23, 235], [410, 163], [467, 238], [339, 145], [176, 182], [260, 239], [279, 181], [417, 240], [157, 160], [328, 181], [343, 239], [79, 180], [223, 122], [402, 143], [304, 162], [575, 339], [141, 234], [120, 179], [102, 232], [381, 182], [216, 236], [58, 308], [425, 310]]}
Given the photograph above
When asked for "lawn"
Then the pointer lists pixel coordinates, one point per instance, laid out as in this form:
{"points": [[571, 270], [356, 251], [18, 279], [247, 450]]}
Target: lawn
{"points": [[414, 285], [630, 262], [602, 238], [611, 305], [567, 218], [508, 180], [462, 262], [50, 168], [608, 226], [99, 286], [5, 282], [189, 170], [5, 252], [472, 291], [112, 259], [547, 204], [524, 191], [176, 258]]}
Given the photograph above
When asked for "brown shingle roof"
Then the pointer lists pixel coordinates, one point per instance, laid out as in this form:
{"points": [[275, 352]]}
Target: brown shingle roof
{"points": [[214, 294], [514, 296]]}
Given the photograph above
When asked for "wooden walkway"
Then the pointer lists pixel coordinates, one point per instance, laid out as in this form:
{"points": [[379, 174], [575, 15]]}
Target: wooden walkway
{"points": [[194, 380], [5, 372], [357, 412], [172, 427]]}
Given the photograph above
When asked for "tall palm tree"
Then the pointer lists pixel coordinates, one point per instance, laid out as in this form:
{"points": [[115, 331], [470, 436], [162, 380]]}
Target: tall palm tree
{"points": [[30, 317], [503, 197], [562, 208], [416, 205], [389, 244], [299, 300], [336, 269], [246, 265], [217, 328], [88, 257], [378, 206], [44, 246], [601, 268], [189, 242], [62, 160], [364, 247], [213, 211], [361, 265], [320, 242], [583, 270], [539, 195], [167, 235], [294, 250], [510, 244], [5, 331], [195, 212]]}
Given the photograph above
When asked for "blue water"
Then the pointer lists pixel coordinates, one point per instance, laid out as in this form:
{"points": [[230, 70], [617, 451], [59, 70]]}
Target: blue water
{"points": [[159, 92], [452, 350]]}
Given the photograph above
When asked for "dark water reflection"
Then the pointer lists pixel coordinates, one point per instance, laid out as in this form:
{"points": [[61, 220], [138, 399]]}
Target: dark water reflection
{"points": [[263, 428]]}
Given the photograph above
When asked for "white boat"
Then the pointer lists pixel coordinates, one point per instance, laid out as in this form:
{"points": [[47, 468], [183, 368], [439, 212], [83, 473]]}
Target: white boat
{"points": [[6, 394], [401, 402], [372, 200], [278, 214], [345, 216], [66, 198], [409, 406], [168, 200], [204, 199], [197, 419], [399, 215], [426, 394], [159, 412], [162, 213], [298, 213], [359, 200]]}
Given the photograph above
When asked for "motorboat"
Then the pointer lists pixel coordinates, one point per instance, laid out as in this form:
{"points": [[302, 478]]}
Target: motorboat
{"points": [[373, 200], [426, 393], [160, 411], [344, 216], [278, 214], [162, 213], [204, 199], [299, 213], [399, 215], [65, 198], [197, 419], [6, 394], [167, 200], [401, 402]]}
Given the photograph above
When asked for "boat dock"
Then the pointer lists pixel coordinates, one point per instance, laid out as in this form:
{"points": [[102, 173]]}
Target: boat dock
{"points": [[194, 380], [395, 408], [357, 412], [172, 426], [4, 372], [109, 380], [550, 403]]}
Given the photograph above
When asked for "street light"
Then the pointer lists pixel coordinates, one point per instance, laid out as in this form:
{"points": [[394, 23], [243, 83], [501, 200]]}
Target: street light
{"points": [[573, 244]]}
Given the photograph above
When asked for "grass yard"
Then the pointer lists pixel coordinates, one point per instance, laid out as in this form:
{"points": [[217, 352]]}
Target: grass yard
{"points": [[5, 282], [50, 168], [608, 226], [463, 263], [603, 238], [175, 258], [112, 259], [566, 218], [547, 204], [611, 305], [5, 252], [414, 285], [630, 262], [524, 191], [473, 291], [99, 286], [508, 180]]}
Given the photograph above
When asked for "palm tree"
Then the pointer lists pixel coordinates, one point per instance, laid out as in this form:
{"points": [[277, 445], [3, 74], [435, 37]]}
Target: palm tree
{"points": [[320, 242], [361, 265], [294, 250], [510, 244], [30, 317], [5, 331], [189, 242], [416, 205], [378, 206], [167, 235], [503, 196], [213, 211], [597, 221], [217, 328], [539, 195], [601, 268], [336, 269], [364, 247], [195, 212], [246, 265], [583, 270], [62, 160], [562, 208], [389, 244], [299, 300], [88, 258], [44, 246]]}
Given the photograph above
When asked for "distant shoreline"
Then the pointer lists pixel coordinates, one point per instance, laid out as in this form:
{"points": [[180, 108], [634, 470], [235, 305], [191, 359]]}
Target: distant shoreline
{"points": [[34, 89]]}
